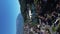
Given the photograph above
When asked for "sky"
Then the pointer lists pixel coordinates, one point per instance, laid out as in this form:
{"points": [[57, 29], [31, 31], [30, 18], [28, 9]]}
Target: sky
{"points": [[9, 10]]}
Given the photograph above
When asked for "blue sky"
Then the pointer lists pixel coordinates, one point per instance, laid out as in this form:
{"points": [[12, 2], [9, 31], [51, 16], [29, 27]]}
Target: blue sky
{"points": [[9, 10]]}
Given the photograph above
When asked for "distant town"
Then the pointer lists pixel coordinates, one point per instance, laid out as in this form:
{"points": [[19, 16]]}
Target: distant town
{"points": [[41, 16]]}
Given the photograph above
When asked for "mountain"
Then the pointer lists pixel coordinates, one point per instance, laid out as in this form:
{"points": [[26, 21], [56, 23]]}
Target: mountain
{"points": [[19, 24]]}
